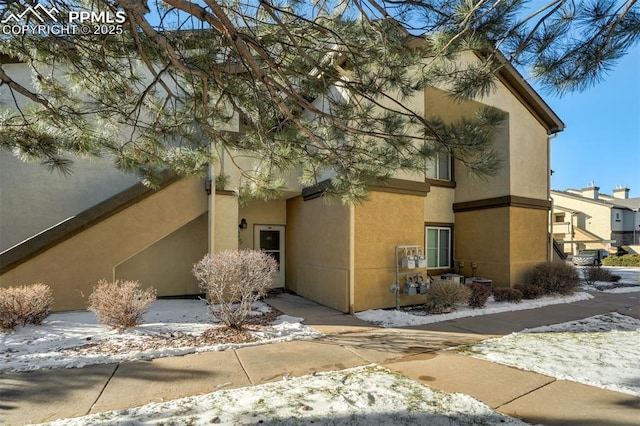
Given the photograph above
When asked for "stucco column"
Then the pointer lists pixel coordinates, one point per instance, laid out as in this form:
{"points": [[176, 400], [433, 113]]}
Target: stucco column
{"points": [[225, 229]]}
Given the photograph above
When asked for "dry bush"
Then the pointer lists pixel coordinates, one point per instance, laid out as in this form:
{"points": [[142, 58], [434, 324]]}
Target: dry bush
{"points": [[233, 281], [529, 291], [27, 304], [120, 304], [596, 273], [443, 295], [508, 295], [479, 295], [555, 277]]}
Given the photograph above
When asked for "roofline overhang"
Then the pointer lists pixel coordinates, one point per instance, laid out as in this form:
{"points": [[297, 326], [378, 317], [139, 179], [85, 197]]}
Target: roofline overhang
{"points": [[516, 83]]}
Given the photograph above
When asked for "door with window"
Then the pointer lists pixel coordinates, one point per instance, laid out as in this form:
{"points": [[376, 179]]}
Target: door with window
{"points": [[270, 239]]}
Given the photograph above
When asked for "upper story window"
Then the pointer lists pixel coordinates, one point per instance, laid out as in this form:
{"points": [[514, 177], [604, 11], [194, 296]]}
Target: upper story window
{"points": [[559, 217], [617, 216], [439, 167]]}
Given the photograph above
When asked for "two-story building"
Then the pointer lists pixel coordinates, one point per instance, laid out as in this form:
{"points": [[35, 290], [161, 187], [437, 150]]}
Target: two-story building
{"points": [[339, 255], [585, 218]]}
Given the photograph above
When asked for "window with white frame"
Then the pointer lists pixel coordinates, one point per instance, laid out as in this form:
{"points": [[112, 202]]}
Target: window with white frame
{"points": [[439, 167], [438, 244]]}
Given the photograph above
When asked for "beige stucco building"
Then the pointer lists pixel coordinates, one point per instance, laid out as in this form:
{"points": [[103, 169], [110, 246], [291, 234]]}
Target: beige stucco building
{"points": [[339, 255], [586, 218]]}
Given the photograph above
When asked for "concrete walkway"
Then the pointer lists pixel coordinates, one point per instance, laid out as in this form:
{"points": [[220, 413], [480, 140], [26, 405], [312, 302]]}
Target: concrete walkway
{"points": [[416, 352]]}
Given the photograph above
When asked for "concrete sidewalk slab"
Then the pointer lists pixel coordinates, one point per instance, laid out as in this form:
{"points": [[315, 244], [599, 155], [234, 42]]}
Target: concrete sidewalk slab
{"points": [[570, 403], [270, 363], [386, 344], [162, 379], [47, 395], [321, 318], [493, 384]]}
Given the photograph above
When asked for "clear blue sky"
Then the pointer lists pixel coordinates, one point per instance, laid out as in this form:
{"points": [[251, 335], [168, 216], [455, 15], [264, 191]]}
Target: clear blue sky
{"points": [[602, 140]]}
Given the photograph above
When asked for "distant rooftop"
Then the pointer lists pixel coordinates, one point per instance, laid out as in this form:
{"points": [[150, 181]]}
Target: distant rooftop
{"points": [[592, 194]]}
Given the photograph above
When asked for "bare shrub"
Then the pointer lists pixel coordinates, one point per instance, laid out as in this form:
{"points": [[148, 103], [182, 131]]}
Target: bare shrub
{"points": [[38, 303], [479, 295], [596, 273], [508, 295], [555, 277], [120, 304], [9, 307], [529, 291], [27, 304], [233, 281], [443, 295]]}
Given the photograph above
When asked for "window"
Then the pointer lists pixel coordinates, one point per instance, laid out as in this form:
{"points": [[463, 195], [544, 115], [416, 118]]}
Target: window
{"points": [[439, 167], [617, 216], [560, 218], [438, 246]]}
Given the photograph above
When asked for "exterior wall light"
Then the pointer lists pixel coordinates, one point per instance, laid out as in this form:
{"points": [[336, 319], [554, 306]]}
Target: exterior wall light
{"points": [[243, 223]]}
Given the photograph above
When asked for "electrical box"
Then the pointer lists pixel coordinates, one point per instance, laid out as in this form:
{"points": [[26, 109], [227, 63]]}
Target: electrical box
{"points": [[452, 277]]}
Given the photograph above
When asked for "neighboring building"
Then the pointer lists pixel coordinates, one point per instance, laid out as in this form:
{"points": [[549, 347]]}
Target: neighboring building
{"points": [[586, 218], [340, 256]]}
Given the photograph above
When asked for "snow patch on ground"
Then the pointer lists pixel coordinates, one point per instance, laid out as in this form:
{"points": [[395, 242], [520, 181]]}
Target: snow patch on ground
{"points": [[629, 280], [65, 340], [402, 318], [600, 351], [365, 395]]}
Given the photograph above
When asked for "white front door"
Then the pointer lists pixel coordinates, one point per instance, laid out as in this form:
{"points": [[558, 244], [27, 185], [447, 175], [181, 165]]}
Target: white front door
{"points": [[270, 239]]}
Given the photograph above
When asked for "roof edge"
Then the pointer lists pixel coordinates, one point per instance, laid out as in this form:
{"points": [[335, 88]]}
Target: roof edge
{"points": [[512, 78]]}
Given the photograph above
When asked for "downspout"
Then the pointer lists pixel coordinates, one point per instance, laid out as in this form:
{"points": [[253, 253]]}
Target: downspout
{"points": [[550, 215], [211, 204], [352, 259]]}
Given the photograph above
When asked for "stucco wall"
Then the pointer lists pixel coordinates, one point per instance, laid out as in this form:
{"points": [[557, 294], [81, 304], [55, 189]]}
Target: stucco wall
{"points": [[383, 222], [505, 242], [166, 265], [317, 251], [528, 241], [438, 205], [260, 213], [528, 165], [33, 199], [468, 188], [524, 141], [482, 236], [226, 223], [74, 266]]}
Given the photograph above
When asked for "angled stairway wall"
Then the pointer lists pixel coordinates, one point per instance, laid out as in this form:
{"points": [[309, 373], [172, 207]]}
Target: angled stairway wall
{"points": [[152, 236]]}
